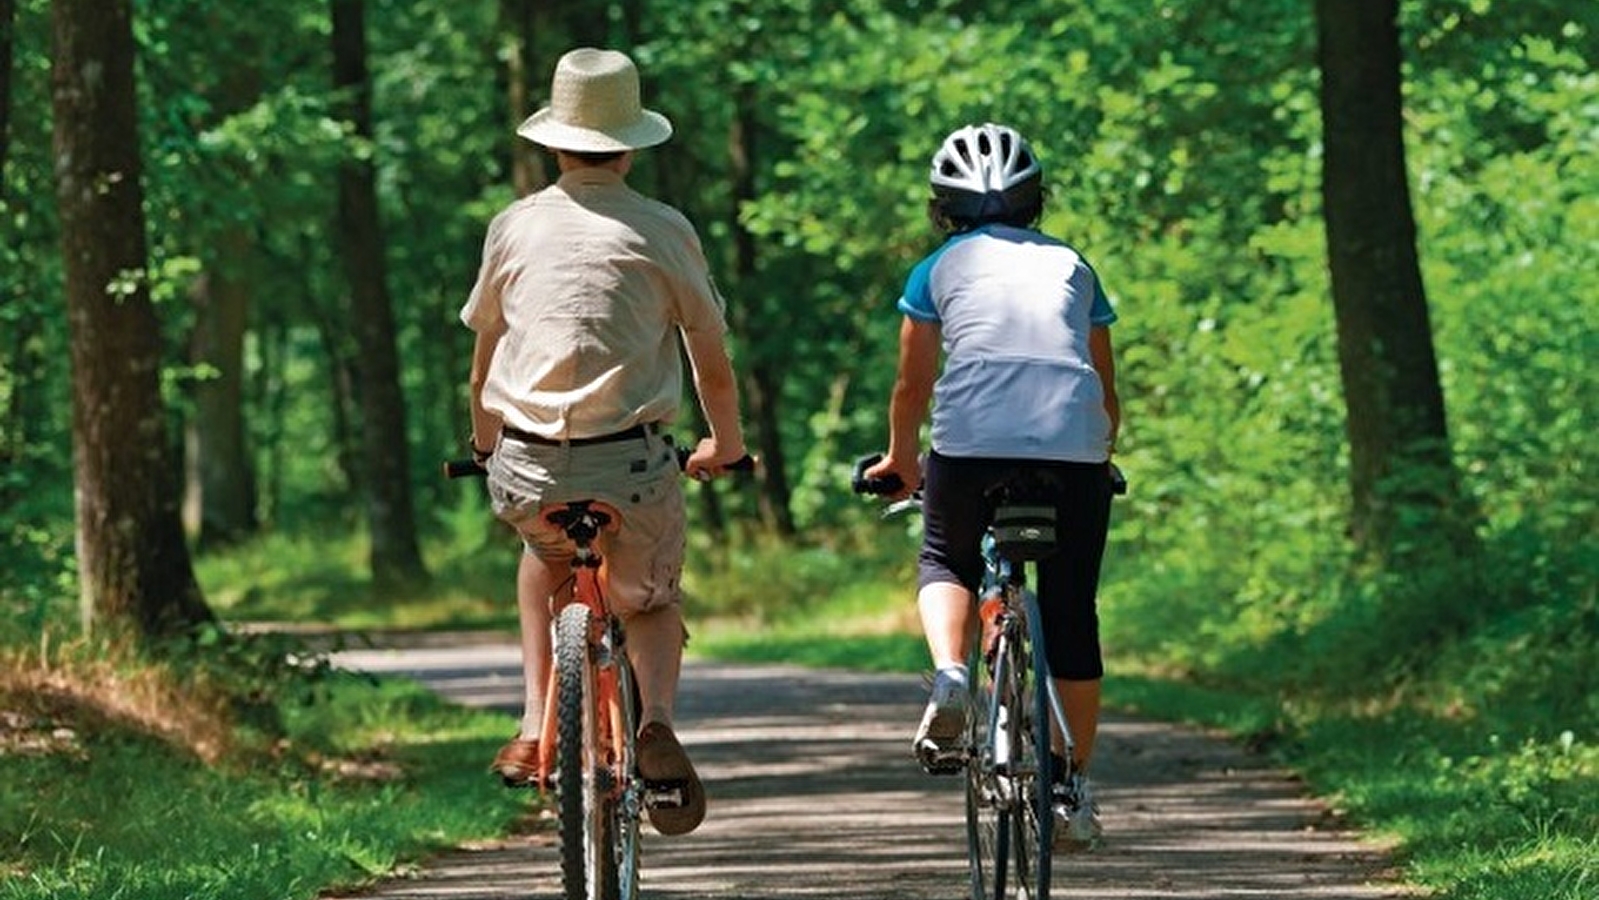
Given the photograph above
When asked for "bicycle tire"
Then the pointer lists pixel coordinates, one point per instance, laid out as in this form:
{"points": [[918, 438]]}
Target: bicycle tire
{"points": [[1036, 818], [1008, 799], [584, 786], [627, 852], [988, 824]]}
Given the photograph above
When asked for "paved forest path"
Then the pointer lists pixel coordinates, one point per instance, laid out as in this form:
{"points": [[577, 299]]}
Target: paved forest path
{"points": [[813, 794]]}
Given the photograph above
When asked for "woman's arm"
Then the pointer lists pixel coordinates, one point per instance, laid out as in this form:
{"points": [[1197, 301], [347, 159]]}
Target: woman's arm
{"points": [[1104, 362], [907, 406]]}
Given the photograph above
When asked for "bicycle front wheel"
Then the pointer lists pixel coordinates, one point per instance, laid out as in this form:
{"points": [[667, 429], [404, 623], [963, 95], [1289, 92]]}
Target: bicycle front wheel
{"points": [[626, 811], [585, 787]]}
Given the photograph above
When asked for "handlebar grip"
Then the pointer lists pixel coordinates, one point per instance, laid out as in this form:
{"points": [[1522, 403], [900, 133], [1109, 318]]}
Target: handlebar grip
{"points": [[860, 484], [743, 464], [463, 468]]}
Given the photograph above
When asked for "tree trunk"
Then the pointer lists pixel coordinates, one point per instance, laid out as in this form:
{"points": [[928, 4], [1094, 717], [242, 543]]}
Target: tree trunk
{"points": [[13, 422], [386, 470], [8, 37], [133, 563], [517, 22], [19, 418], [761, 380], [220, 500], [1398, 438]]}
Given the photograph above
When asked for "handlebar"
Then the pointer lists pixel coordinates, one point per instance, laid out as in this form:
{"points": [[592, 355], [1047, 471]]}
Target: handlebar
{"points": [[464, 468], [877, 485], [471, 468]]}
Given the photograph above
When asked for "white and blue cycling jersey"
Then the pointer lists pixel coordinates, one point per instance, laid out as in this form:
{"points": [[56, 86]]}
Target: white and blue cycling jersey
{"points": [[1014, 309]]}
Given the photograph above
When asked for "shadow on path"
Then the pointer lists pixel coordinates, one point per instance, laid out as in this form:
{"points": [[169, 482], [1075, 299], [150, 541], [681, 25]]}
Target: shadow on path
{"points": [[813, 793]]}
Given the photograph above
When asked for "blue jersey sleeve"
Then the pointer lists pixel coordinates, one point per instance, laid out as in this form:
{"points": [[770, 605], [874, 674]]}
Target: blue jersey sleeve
{"points": [[1100, 313], [917, 301]]}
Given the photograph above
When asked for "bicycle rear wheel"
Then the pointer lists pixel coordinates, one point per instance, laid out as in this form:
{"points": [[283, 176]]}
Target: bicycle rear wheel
{"points": [[1035, 821], [584, 785], [1008, 812]]}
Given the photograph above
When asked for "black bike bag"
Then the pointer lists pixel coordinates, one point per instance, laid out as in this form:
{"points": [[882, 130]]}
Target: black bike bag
{"points": [[1024, 532]]}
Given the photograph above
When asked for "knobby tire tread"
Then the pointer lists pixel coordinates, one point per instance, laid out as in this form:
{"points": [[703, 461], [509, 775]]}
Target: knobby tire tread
{"points": [[577, 712], [625, 828]]}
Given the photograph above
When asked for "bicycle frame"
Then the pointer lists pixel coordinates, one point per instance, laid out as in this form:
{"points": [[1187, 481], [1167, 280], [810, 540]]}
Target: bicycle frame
{"points": [[1009, 577], [589, 723], [588, 590]]}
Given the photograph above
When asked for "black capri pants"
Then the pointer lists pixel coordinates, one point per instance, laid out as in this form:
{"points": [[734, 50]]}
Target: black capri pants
{"points": [[956, 508]]}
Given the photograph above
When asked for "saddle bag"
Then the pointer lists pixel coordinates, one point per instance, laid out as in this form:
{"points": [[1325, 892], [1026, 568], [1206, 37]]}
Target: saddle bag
{"points": [[1023, 532]]}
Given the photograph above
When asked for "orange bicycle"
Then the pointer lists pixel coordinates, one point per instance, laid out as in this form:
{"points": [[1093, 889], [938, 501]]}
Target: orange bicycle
{"points": [[588, 746]]}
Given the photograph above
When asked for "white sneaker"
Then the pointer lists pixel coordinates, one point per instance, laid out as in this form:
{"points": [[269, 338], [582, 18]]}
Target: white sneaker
{"points": [[940, 743], [1076, 815]]}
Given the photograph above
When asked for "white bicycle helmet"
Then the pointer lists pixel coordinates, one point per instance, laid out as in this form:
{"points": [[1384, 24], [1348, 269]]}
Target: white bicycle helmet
{"points": [[983, 158], [985, 173]]}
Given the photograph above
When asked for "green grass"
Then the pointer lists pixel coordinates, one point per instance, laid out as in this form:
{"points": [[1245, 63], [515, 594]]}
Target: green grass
{"points": [[311, 579], [820, 649], [368, 777]]}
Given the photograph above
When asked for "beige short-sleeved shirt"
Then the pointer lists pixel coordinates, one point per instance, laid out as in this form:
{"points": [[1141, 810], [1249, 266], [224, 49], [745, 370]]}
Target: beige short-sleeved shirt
{"points": [[591, 282]]}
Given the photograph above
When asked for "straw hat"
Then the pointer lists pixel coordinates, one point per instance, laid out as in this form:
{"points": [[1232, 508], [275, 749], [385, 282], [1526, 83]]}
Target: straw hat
{"points": [[594, 107]]}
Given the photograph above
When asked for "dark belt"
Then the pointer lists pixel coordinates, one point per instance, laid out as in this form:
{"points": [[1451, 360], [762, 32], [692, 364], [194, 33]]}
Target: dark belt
{"points": [[636, 433]]}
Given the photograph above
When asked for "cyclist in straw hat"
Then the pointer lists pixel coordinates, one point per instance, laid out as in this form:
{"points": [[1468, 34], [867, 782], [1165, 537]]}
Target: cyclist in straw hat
{"points": [[585, 290]]}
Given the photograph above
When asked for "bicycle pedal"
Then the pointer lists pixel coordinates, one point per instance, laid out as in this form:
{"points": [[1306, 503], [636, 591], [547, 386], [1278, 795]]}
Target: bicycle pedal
{"points": [[529, 783], [665, 794]]}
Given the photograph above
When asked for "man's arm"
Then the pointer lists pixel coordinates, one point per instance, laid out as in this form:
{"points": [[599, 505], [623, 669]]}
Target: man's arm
{"points": [[717, 388], [485, 424]]}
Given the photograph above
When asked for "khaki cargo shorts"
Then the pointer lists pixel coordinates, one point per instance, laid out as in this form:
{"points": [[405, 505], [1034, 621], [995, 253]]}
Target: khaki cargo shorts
{"points": [[640, 477]]}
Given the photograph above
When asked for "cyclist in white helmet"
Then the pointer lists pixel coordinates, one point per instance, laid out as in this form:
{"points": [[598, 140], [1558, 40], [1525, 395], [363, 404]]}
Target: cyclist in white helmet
{"points": [[1027, 387]]}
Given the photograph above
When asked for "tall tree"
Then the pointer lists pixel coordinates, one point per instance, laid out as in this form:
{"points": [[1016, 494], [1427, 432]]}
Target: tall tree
{"points": [[133, 562], [385, 455], [8, 18], [519, 23], [1398, 436], [220, 495], [220, 491], [762, 380]]}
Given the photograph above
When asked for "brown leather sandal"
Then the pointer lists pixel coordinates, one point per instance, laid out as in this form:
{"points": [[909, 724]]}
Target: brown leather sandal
{"points": [[517, 763], [665, 767]]}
